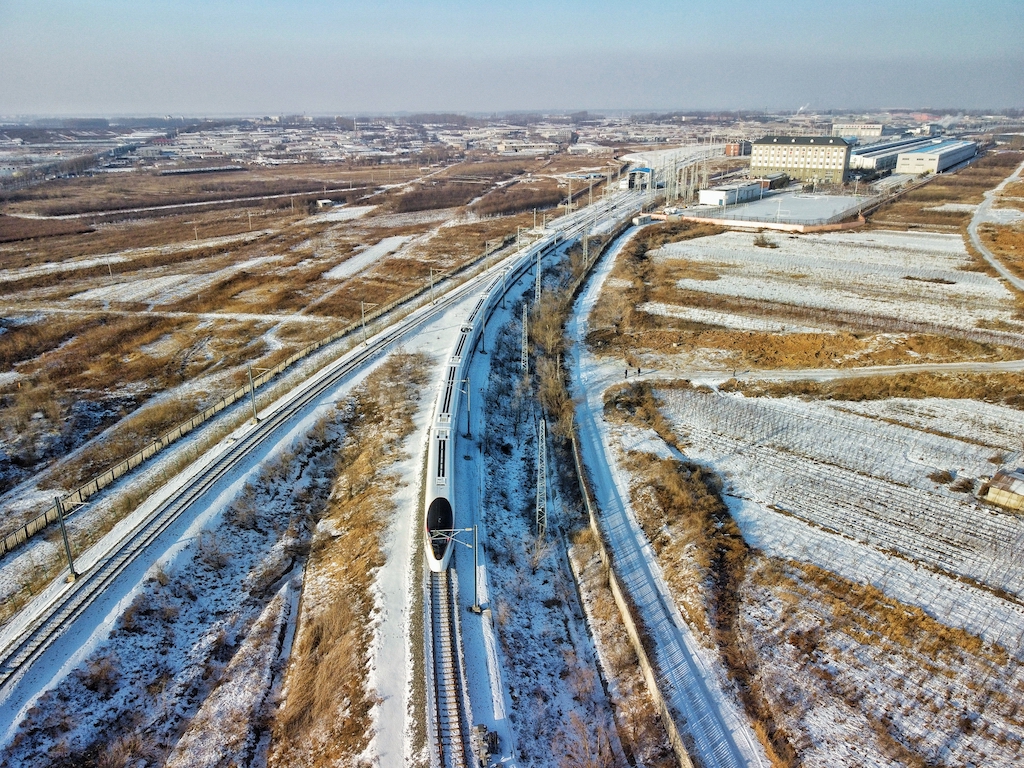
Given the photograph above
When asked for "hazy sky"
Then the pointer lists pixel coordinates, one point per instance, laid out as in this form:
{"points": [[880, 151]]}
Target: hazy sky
{"points": [[215, 57]]}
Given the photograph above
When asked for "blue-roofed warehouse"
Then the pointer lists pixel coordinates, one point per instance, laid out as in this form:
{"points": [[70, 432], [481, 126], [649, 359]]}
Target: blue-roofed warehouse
{"points": [[935, 158]]}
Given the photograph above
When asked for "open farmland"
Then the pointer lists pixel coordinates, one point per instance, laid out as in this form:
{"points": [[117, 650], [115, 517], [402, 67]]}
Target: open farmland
{"points": [[818, 301], [139, 323], [873, 612]]}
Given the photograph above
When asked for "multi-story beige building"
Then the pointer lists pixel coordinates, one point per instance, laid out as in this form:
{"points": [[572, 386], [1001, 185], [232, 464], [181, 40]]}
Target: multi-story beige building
{"points": [[823, 159]]}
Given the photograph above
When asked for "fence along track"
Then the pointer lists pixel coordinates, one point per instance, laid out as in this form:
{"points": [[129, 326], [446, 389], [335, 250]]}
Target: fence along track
{"points": [[451, 710], [50, 621], [77, 497]]}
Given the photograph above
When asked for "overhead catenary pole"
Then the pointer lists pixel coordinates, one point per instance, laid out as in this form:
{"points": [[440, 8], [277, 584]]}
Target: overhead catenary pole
{"points": [[64, 534], [362, 314], [252, 396], [524, 359], [542, 485], [536, 290], [469, 410], [476, 568]]}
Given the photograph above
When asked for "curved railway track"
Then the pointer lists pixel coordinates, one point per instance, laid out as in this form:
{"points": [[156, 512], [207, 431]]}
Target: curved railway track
{"points": [[55, 617], [22, 648]]}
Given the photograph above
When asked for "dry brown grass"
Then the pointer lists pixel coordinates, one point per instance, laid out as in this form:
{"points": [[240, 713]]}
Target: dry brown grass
{"points": [[147, 188], [1006, 241], [326, 715], [1006, 388], [701, 551], [640, 730], [1015, 189], [965, 186], [13, 228], [851, 643], [537, 194]]}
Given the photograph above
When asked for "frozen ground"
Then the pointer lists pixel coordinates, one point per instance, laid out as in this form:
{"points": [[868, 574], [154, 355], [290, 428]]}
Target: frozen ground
{"points": [[905, 276], [789, 207], [119, 257], [347, 213], [167, 288], [691, 677], [364, 258]]}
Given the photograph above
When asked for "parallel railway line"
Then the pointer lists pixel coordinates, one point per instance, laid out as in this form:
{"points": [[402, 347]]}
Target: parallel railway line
{"points": [[25, 643]]}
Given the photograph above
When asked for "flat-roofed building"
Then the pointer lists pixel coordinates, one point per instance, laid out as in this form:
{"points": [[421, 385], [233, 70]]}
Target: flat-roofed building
{"points": [[935, 158], [858, 130], [730, 194], [805, 158], [883, 156]]}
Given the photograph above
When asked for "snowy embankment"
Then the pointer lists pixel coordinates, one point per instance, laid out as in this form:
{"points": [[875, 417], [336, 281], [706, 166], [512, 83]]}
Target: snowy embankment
{"points": [[197, 530], [543, 696], [691, 683]]}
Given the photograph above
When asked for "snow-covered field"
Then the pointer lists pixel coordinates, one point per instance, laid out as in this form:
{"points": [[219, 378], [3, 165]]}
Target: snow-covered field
{"points": [[860, 490], [120, 257], [166, 288], [911, 276]]}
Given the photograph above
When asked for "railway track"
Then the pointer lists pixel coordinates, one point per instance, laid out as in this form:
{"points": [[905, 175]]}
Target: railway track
{"points": [[50, 621], [451, 704], [22, 647]]}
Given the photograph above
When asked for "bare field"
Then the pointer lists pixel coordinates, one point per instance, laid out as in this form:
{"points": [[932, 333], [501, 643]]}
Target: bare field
{"points": [[821, 301], [164, 314], [1006, 241], [147, 188], [864, 600]]}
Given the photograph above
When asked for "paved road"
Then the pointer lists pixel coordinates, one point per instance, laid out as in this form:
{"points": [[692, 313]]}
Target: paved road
{"points": [[980, 216], [722, 735]]}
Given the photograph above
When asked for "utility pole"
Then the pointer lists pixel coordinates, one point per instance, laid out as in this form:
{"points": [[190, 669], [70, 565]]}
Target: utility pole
{"points": [[542, 482], [252, 396], [362, 313], [524, 359], [469, 407], [476, 566], [67, 544]]}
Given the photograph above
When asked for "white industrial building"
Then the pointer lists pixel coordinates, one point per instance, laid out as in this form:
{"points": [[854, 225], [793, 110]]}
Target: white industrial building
{"points": [[881, 157], [805, 158], [935, 158], [730, 194]]}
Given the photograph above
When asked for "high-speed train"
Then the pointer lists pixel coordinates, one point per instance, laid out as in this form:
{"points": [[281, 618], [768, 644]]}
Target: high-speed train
{"points": [[439, 515]]}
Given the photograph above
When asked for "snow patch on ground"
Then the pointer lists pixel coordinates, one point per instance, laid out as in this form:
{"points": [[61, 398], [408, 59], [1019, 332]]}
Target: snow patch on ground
{"points": [[363, 259], [347, 213]]}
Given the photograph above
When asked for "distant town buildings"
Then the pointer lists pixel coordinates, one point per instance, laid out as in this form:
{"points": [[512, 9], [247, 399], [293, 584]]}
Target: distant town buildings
{"points": [[823, 159]]}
